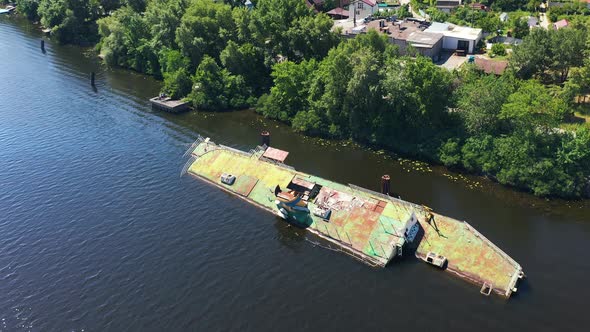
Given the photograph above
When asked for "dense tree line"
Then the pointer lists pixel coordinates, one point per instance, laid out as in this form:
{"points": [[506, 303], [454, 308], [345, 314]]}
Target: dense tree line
{"points": [[217, 54], [549, 54], [506, 128], [568, 9], [285, 59]]}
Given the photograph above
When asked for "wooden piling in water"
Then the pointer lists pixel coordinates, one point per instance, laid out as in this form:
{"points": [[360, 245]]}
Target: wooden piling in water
{"points": [[385, 184], [42, 45], [265, 135], [92, 78]]}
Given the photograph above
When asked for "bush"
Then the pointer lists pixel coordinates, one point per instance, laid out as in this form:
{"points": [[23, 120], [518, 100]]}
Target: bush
{"points": [[499, 49], [28, 8], [177, 84], [450, 153]]}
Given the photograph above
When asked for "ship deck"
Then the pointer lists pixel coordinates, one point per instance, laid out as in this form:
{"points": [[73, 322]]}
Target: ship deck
{"points": [[365, 224]]}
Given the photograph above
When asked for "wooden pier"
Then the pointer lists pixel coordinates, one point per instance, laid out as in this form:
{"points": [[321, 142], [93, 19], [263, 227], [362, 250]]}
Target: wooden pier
{"points": [[168, 104]]}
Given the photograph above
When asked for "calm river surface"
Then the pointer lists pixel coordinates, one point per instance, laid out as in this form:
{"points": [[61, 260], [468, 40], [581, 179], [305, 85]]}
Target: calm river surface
{"points": [[98, 232]]}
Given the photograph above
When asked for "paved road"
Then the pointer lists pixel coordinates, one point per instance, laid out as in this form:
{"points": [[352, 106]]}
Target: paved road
{"points": [[543, 21]]}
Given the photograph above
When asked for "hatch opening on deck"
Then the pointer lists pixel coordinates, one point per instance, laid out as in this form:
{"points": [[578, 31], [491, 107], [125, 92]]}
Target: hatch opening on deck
{"points": [[308, 190]]}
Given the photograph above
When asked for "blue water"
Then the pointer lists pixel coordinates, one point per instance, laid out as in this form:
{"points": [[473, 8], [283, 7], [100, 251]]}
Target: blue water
{"points": [[98, 232]]}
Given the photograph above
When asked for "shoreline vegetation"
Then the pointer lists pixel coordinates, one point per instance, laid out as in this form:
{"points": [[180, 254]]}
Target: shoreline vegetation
{"points": [[282, 58]]}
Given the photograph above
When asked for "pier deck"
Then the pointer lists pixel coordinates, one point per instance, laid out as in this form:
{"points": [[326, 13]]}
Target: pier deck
{"points": [[169, 105], [367, 225], [470, 254]]}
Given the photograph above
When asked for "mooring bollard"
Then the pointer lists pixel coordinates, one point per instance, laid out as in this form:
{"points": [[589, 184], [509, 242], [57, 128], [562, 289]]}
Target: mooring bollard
{"points": [[385, 183], [92, 78], [265, 135]]}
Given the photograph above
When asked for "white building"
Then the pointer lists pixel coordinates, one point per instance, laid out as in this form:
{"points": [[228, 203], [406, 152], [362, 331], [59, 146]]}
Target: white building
{"points": [[457, 37], [362, 8], [447, 5]]}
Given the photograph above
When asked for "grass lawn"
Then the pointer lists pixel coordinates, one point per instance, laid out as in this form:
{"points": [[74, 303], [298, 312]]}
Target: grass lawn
{"points": [[581, 118]]}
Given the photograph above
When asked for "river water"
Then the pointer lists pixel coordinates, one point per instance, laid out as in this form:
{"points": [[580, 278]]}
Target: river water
{"points": [[98, 232]]}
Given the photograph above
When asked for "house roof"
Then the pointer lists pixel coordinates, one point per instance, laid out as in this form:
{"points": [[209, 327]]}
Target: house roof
{"points": [[398, 30], [532, 21], [491, 66], [448, 3], [477, 5], [339, 12], [506, 40], [560, 24], [370, 2], [437, 26], [456, 31], [311, 5], [422, 39]]}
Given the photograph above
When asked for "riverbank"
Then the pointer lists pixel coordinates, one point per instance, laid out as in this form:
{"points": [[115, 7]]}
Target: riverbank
{"points": [[403, 106]]}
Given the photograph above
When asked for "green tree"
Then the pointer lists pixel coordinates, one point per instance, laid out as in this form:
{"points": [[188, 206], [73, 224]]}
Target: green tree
{"points": [[247, 61], [420, 90], [404, 11], [549, 54], [209, 86], [110, 5], [177, 84], [272, 18], [290, 89], [126, 41], [450, 153], [534, 57], [215, 89], [532, 107], [137, 5], [568, 46], [477, 154], [326, 92], [521, 28], [29, 8], [52, 12], [509, 5], [499, 49], [489, 22], [172, 60], [364, 94], [163, 18], [71, 21], [177, 81], [311, 37], [480, 101], [243, 19], [204, 29]]}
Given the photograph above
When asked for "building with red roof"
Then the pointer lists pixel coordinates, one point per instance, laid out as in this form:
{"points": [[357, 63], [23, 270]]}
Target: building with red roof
{"points": [[560, 24]]}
